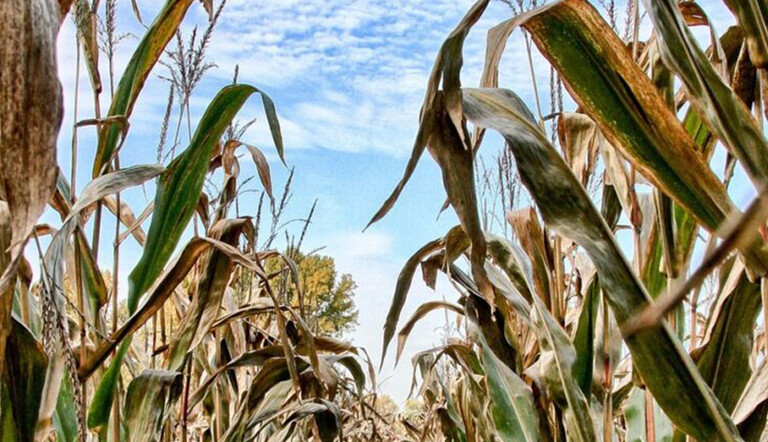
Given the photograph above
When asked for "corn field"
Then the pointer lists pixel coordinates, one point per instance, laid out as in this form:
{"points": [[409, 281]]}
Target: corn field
{"points": [[605, 285]]}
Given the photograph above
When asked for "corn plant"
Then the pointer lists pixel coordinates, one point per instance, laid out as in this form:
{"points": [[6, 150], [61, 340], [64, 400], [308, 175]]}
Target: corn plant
{"points": [[216, 369], [567, 338]]}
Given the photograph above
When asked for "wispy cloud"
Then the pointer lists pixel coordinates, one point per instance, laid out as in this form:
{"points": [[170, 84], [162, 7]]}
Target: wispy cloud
{"points": [[351, 73]]}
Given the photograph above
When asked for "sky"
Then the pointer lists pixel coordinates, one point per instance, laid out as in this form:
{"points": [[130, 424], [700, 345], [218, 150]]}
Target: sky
{"points": [[347, 78]]}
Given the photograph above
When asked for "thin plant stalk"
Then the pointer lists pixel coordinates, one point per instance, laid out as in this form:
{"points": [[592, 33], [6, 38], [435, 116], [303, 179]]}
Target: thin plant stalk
{"points": [[764, 296], [557, 293], [695, 300], [78, 270], [635, 29], [185, 402], [115, 275], [154, 339], [97, 214], [608, 375], [650, 423], [533, 77]]}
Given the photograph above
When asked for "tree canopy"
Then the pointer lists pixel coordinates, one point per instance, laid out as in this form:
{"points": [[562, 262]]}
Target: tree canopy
{"points": [[328, 296]]}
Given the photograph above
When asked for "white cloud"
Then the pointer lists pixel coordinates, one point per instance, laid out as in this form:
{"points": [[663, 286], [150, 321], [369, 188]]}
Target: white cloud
{"points": [[353, 246], [346, 75], [373, 57]]}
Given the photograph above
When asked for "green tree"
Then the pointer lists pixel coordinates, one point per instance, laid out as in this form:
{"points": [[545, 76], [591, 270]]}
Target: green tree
{"points": [[328, 297]]}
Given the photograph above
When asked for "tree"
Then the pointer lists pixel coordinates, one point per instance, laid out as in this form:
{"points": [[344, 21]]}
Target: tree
{"points": [[328, 297]]}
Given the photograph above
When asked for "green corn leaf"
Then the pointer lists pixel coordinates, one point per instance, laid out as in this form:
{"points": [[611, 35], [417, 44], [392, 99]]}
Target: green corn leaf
{"points": [[100, 408], [511, 400], [137, 71], [23, 382], [583, 338], [555, 371], [724, 357], [65, 416], [178, 190], [752, 407], [555, 368], [148, 403], [101, 403], [634, 413], [632, 114]]}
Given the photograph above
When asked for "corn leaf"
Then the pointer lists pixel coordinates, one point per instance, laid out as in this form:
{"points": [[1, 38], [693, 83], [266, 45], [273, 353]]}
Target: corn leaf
{"points": [[135, 74], [65, 416], [209, 293], [31, 106], [101, 403], [148, 403], [86, 21], [583, 338], [404, 280], [6, 294], [511, 400], [634, 413], [715, 102], [532, 239], [326, 415], [753, 19], [23, 380], [723, 358], [420, 312], [632, 114], [752, 401], [554, 370], [272, 373], [94, 191], [252, 358], [447, 67], [178, 190]]}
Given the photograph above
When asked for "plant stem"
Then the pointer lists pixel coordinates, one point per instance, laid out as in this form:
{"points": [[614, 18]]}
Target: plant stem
{"points": [[115, 292], [608, 375], [78, 269]]}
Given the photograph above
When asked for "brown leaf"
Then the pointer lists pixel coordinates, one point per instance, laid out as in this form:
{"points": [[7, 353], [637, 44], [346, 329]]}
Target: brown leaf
{"points": [[208, 5], [580, 140], [446, 68], [534, 242], [446, 146], [31, 109], [165, 287], [129, 220], [30, 103]]}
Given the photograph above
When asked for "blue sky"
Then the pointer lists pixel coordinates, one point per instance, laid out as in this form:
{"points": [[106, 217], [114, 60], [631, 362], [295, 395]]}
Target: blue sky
{"points": [[347, 78]]}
